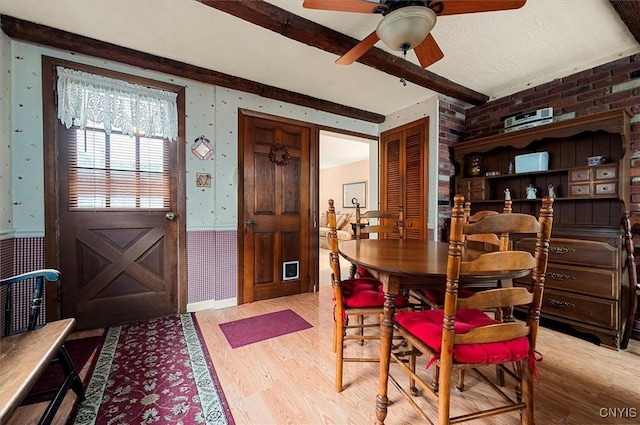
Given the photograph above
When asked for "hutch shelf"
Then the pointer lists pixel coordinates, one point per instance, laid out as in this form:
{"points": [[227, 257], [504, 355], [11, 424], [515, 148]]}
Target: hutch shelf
{"points": [[585, 287]]}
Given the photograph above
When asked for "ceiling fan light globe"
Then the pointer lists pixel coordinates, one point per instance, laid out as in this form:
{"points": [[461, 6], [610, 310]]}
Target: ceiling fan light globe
{"points": [[406, 26]]}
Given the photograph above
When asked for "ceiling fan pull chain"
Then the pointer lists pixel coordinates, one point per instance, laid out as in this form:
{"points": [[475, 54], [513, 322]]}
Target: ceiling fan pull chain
{"points": [[405, 47]]}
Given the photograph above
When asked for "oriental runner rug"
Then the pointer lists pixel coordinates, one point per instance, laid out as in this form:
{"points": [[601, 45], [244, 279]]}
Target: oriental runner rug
{"points": [[265, 326], [156, 371]]}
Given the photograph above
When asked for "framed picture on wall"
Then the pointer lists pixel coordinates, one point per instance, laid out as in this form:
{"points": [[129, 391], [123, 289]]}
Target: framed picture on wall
{"points": [[353, 193]]}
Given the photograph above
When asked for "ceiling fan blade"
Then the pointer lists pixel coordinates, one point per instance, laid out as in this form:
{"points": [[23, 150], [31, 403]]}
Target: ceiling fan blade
{"points": [[456, 7], [358, 50], [361, 6], [428, 52]]}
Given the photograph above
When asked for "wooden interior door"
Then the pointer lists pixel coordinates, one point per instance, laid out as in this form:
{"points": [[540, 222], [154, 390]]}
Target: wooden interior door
{"points": [[404, 177], [275, 207]]}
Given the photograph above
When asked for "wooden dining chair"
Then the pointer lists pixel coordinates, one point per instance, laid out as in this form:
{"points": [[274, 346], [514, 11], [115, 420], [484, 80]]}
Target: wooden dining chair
{"points": [[632, 273], [463, 336], [433, 298], [390, 225], [359, 298]]}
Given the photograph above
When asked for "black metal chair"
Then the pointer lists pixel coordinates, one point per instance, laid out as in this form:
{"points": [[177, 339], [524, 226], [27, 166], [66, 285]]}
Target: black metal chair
{"points": [[17, 326]]}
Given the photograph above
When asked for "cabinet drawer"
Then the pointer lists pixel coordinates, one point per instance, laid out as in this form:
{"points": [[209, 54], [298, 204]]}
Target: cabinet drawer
{"points": [[580, 175], [587, 281], [606, 188], [477, 195], [581, 308], [609, 172], [577, 252], [583, 189], [477, 184], [463, 185]]}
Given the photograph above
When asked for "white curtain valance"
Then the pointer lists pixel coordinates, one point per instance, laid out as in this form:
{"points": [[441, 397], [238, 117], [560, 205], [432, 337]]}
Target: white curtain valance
{"points": [[115, 104]]}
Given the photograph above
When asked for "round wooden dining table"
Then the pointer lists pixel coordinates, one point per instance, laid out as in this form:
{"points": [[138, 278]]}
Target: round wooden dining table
{"points": [[398, 264]]}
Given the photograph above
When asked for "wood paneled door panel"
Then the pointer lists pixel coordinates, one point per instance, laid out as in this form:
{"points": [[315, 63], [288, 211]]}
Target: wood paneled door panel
{"points": [[275, 200], [120, 266]]}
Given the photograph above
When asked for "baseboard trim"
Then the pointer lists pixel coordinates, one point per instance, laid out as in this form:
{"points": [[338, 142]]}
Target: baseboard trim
{"points": [[212, 305]]}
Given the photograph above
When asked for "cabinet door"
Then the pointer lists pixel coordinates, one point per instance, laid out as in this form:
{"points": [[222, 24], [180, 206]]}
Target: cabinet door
{"points": [[403, 175]]}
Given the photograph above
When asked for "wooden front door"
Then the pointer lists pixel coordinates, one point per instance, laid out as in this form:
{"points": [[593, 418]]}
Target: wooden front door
{"points": [[119, 263], [275, 207], [115, 221]]}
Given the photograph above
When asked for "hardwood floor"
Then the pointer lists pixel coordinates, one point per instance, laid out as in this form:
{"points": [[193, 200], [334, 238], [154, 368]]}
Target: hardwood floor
{"points": [[289, 379]]}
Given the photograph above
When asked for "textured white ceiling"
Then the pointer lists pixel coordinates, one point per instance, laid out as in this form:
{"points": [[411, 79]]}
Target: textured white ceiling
{"points": [[495, 53]]}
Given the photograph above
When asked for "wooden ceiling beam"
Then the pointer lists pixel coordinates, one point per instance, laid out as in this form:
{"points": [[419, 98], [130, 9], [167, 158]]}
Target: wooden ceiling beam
{"points": [[629, 12], [297, 28], [52, 37]]}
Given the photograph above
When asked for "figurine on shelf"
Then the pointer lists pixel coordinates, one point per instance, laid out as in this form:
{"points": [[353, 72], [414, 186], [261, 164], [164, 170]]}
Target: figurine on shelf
{"points": [[510, 168], [507, 194], [531, 192], [552, 191]]}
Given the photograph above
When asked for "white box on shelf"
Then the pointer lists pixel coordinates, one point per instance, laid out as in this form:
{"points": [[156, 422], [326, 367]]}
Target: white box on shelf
{"points": [[537, 161]]}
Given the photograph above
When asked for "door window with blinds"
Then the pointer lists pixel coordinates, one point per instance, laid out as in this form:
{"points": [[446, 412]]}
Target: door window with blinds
{"points": [[116, 170], [117, 134]]}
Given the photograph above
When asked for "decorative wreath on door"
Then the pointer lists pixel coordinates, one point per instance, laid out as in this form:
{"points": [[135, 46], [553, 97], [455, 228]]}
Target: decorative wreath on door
{"points": [[279, 154]]}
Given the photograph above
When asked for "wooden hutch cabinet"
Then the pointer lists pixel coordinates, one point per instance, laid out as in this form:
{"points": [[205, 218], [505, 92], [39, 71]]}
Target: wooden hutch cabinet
{"points": [[586, 286]]}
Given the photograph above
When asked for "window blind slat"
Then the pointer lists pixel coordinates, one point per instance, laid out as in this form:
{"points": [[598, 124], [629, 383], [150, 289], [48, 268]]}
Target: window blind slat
{"points": [[117, 171]]}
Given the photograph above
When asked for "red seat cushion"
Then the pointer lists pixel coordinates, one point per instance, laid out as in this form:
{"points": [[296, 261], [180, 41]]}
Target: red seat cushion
{"points": [[427, 326], [436, 295], [366, 292], [362, 272]]}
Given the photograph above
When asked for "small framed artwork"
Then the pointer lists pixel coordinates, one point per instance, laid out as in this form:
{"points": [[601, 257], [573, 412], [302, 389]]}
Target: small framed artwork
{"points": [[203, 180], [202, 148], [353, 193]]}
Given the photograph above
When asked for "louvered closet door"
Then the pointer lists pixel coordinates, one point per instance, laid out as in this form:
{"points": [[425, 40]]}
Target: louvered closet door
{"points": [[391, 184], [404, 176], [415, 184]]}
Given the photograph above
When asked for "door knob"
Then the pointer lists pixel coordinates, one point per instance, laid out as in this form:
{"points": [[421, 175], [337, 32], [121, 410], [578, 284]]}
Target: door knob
{"points": [[249, 223], [170, 216]]}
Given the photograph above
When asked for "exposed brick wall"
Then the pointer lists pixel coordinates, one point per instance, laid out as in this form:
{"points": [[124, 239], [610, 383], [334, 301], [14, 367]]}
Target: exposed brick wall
{"points": [[451, 131], [599, 89], [608, 86]]}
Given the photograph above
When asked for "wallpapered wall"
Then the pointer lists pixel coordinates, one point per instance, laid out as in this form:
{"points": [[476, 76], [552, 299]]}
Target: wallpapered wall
{"points": [[211, 212], [6, 210]]}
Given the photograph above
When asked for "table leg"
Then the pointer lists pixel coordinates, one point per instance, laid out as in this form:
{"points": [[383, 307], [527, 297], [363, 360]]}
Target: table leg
{"points": [[386, 339]]}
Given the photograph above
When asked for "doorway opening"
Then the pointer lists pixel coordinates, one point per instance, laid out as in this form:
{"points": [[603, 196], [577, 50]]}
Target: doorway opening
{"points": [[344, 159]]}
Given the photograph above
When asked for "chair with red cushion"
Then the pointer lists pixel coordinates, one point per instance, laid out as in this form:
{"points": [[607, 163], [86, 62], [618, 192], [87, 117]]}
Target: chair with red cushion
{"points": [[359, 297], [462, 336], [434, 297]]}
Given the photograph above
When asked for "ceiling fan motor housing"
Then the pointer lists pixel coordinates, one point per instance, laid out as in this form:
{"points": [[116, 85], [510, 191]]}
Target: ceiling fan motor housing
{"points": [[405, 28]]}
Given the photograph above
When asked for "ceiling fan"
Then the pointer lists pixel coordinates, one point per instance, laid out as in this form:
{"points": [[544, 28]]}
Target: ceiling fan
{"points": [[406, 24]]}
